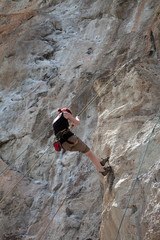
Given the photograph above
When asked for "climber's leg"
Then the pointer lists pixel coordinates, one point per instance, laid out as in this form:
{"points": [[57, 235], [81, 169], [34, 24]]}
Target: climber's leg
{"points": [[96, 160]]}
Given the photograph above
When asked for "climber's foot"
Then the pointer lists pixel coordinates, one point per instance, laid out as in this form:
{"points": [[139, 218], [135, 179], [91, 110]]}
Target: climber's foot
{"points": [[106, 170], [104, 160]]}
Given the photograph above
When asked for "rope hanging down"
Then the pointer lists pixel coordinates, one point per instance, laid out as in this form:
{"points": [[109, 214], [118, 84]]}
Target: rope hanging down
{"points": [[83, 110], [134, 182]]}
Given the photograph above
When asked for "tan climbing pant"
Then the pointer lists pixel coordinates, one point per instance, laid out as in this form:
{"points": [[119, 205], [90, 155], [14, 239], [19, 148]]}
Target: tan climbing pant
{"points": [[78, 145]]}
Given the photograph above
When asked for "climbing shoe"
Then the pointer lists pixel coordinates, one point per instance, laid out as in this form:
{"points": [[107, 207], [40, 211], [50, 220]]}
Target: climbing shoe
{"points": [[106, 170], [104, 160]]}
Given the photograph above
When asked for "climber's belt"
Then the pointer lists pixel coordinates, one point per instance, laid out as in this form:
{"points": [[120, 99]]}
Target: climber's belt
{"points": [[63, 135]]}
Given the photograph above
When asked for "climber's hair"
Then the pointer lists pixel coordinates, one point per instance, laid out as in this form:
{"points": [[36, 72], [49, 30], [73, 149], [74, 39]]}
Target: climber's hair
{"points": [[64, 110]]}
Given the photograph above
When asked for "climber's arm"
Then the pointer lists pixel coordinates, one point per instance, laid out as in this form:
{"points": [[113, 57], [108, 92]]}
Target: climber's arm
{"points": [[74, 121]]}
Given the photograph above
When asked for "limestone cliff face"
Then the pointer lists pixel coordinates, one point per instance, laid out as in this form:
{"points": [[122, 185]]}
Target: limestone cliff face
{"points": [[62, 53]]}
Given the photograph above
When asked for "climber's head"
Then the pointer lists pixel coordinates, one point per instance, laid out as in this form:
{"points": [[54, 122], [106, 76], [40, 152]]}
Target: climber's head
{"points": [[64, 110]]}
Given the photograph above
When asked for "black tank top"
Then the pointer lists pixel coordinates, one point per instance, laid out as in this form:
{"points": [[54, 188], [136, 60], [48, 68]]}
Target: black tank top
{"points": [[60, 124]]}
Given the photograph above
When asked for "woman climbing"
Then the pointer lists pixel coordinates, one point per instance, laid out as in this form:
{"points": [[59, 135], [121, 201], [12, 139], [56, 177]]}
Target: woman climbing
{"points": [[71, 142]]}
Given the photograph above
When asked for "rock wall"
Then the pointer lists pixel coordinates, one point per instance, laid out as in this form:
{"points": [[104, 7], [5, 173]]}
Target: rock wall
{"points": [[63, 53]]}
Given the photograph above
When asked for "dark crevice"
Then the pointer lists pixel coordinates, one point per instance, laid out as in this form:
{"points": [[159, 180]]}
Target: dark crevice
{"points": [[110, 180], [4, 142], [11, 137], [153, 45]]}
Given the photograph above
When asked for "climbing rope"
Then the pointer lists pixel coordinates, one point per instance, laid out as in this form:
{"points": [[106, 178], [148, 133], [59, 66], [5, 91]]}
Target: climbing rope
{"points": [[134, 182], [29, 170], [46, 228], [83, 110]]}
